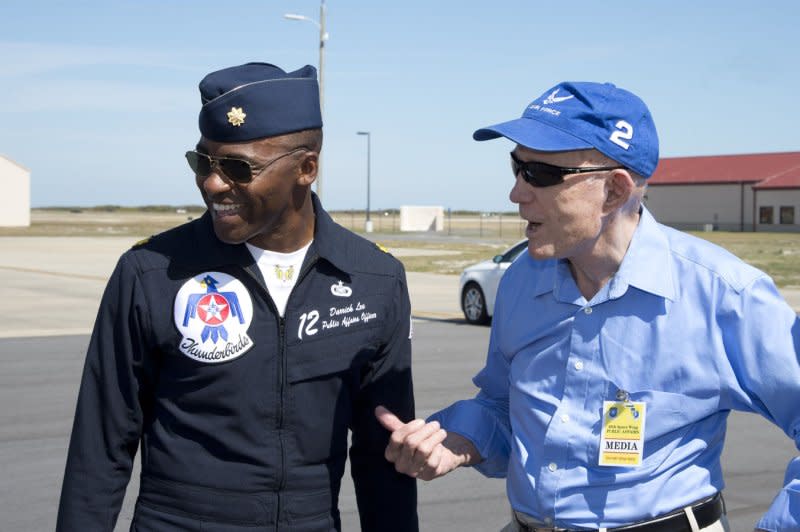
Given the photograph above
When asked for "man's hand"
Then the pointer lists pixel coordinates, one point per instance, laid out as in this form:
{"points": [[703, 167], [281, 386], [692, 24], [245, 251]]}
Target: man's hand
{"points": [[424, 450]]}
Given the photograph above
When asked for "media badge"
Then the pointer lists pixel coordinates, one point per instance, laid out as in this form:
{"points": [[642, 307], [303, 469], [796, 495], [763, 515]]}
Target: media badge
{"points": [[622, 436]]}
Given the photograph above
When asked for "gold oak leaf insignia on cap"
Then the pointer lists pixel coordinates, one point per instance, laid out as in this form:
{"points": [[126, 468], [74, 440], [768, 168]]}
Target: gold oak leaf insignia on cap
{"points": [[236, 116]]}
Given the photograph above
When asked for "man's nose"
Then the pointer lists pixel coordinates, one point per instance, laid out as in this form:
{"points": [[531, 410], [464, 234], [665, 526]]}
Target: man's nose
{"points": [[214, 182], [521, 192]]}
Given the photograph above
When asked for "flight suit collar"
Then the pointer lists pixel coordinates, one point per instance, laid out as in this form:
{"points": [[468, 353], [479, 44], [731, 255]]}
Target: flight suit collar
{"points": [[328, 244]]}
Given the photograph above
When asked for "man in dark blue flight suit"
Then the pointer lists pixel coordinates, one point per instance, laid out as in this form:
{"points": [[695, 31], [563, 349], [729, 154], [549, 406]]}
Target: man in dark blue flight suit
{"points": [[239, 348]]}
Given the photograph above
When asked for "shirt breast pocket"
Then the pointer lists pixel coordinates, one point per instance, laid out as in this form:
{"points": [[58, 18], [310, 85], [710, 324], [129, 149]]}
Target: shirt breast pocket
{"points": [[665, 410], [666, 421]]}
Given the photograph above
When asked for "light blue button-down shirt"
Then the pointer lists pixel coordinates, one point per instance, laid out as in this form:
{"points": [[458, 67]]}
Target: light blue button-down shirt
{"points": [[685, 327]]}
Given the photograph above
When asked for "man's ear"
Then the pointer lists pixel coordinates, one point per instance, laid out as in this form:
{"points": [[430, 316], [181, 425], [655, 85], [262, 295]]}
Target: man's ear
{"points": [[308, 168], [618, 188]]}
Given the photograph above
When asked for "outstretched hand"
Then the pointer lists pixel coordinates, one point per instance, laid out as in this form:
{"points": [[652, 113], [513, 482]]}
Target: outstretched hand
{"points": [[424, 450]]}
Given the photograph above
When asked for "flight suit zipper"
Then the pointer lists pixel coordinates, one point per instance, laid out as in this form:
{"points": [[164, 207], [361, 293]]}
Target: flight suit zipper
{"points": [[281, 383], [279, 419], [282, 388]]}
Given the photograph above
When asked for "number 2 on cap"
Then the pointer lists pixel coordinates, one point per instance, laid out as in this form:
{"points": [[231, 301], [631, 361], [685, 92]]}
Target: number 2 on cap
{"points": [[624, 132]]}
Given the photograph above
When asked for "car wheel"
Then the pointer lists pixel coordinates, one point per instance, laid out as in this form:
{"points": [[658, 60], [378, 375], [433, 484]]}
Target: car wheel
{"points": [[474, 304]]}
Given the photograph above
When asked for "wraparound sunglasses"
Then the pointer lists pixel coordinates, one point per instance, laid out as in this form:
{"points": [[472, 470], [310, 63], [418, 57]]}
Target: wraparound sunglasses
{"points": [[546, 175]]}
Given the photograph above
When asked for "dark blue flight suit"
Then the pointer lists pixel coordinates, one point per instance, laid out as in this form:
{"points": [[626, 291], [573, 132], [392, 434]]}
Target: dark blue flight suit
{"points": [[249, 430]]}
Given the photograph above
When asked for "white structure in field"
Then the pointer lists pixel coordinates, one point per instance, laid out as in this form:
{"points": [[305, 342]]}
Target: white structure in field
{"points": [[417, 218], [16, 184]]}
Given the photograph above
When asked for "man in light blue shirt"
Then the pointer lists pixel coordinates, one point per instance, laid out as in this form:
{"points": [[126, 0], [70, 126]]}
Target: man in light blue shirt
{"points": [[618, 347]]}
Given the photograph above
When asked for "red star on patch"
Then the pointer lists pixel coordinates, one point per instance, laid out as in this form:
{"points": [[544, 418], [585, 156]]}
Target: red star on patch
{"points": [[213, 309]]}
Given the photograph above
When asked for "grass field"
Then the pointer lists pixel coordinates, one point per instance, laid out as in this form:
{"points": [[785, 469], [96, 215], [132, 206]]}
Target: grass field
{"points": [[778, 254], [466, 240]]}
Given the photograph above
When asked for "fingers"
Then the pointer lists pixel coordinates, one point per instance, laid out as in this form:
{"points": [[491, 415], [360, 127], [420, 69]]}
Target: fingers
{"points": [[389, 421], [434, 466], [415, 448], [437, 462], [397, 440]]}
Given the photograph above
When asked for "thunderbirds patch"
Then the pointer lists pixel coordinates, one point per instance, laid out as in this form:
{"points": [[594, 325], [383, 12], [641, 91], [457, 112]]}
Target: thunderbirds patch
{"points": [[213, 311]]}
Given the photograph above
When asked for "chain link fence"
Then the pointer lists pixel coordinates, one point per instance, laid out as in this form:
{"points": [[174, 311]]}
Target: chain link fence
{"points": [[472, 224]]}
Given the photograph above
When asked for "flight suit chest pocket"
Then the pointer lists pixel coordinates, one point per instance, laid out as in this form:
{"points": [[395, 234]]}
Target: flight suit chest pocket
{"points": [[340, 353]]}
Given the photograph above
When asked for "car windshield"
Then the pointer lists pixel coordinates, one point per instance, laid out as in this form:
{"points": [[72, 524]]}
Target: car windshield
{"points": [[514, 252]]}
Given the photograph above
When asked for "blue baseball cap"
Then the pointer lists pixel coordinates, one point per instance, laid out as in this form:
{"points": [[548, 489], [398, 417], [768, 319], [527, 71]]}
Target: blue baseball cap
{"points": [[257, 100], [581, 115]]}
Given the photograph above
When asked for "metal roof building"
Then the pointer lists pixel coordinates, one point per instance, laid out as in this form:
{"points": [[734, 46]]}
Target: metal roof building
{"points": [[749, 192]]}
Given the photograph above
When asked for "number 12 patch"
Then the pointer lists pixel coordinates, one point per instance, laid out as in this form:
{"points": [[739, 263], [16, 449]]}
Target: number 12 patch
{"points": [[622, 437]]}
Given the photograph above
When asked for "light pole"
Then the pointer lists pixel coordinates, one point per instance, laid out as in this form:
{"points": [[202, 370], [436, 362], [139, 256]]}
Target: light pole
{"points": [[368, 223], [323, 36]]}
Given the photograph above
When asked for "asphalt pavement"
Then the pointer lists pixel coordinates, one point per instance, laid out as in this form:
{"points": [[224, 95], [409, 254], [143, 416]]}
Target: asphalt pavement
{"points": [[54, 286], [39, 383]]}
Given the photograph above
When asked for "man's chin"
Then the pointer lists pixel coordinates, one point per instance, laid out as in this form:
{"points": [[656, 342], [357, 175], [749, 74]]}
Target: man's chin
{"points": [[228, 236], [540, 252]]}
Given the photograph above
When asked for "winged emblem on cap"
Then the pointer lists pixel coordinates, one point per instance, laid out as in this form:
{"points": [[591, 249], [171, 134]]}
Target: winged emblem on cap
{"points": [[236, 116], [556, 99]]}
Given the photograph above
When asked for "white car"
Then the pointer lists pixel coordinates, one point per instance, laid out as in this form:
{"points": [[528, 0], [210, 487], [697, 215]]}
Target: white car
{"points": [[478, 286]]}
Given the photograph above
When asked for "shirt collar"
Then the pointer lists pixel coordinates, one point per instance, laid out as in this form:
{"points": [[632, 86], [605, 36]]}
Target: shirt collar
{"points": [[546, 277], [646, 266], [330, 242]]}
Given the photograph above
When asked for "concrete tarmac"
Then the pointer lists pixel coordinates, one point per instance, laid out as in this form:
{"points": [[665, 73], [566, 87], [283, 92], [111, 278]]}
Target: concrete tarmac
{"points": [[55, 285]]}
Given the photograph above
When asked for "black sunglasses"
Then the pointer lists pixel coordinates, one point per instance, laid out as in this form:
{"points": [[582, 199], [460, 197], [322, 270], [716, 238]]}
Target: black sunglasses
{"points": [[237, 170], [546, 175]]}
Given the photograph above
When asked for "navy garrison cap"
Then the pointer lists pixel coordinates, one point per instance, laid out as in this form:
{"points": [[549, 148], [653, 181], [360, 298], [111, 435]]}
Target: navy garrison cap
{"points": [[258, 100]]}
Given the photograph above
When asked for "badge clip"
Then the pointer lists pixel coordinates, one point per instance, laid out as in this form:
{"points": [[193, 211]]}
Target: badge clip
{"points": [[623, 396]]}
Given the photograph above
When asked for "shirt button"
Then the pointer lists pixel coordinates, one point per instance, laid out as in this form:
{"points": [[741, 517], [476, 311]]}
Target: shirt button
{"points": [[579, 365], [552, 466], [565, 418], [587, 310]]}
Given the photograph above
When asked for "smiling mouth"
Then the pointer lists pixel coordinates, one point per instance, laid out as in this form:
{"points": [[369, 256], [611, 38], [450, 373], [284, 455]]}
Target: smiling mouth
{"points": [[225, 209]]}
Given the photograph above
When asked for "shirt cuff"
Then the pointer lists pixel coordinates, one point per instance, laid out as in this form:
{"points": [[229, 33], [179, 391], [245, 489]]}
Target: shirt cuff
{"points": [[490, 437], [784, 512]]}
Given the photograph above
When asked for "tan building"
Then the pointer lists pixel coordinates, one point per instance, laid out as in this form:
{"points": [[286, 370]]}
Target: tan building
{"points": [[16, 184], [751, 192]]}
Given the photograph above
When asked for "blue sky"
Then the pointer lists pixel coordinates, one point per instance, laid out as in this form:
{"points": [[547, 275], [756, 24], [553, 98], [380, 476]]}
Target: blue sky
{"points": [[99, 98]]}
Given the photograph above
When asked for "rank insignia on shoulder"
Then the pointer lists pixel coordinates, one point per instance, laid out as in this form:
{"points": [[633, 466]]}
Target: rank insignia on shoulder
{"points": [[142, 242], [382, 248]]}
